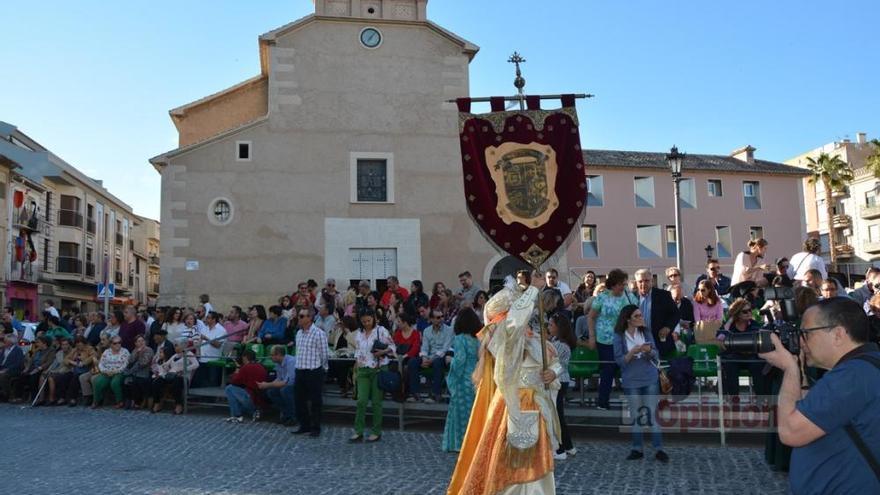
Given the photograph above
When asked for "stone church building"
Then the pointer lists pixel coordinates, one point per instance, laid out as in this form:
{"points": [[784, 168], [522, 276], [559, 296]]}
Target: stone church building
{"points": [[340, 159]]}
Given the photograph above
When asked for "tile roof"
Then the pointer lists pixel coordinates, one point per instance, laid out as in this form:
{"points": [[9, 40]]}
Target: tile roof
{"points": [[709, 163]]}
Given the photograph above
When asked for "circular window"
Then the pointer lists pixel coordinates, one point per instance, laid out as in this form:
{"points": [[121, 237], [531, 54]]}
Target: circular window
{"points": [[220, 212], [370, 37]]}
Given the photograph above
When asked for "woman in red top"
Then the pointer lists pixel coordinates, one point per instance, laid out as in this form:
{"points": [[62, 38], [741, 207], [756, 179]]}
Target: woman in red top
{"points": [[435, 293], [407, 339]]}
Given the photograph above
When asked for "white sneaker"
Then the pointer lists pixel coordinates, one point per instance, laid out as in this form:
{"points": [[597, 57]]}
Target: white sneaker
{"points": [[234, 419], [429, 400], [256, 416], [411, 399], [560, 457], [572, 451]]}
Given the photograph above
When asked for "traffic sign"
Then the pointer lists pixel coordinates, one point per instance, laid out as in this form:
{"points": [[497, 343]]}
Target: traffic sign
{"points": [[107, 292]]}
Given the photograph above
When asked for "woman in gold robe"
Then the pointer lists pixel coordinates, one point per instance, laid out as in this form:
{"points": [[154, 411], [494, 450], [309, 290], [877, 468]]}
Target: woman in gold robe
{"points": [[513, 429]]}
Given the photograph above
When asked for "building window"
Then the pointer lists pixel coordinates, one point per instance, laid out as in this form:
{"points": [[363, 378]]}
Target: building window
{"points": [[644, 191], [372, 177], [68, 258], [90, 262], [688, 193], [752, 195], [221, 211], [373, 264], [723, 244], [242, 151], [48, 205], [589, 243], [671, 239], [68, 212], [824, 244], [90, 219], [648, 238], [873, 233], [715, 188], [595, 190], [871, 198], [45, 254], [756, 232]]}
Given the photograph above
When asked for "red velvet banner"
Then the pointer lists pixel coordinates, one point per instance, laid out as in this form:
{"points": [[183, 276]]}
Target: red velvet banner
{"points": [[524, 179]]}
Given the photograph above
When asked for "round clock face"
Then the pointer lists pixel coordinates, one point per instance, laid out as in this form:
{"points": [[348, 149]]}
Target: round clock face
{"points": [[371, 37]]}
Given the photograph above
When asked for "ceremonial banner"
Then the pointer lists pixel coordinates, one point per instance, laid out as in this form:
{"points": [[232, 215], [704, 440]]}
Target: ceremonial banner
{"points": [[524, 179]]}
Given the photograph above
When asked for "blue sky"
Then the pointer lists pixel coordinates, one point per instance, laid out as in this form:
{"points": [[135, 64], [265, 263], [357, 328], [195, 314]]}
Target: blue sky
{"points": [[93, 81]]}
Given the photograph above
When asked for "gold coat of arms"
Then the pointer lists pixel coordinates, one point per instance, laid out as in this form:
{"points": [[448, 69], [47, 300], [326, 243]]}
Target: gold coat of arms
{"points": [[525, 182]]}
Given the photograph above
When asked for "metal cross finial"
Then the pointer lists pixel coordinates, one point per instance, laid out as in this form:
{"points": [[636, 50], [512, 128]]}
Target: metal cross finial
{"points": [[519, 82]]}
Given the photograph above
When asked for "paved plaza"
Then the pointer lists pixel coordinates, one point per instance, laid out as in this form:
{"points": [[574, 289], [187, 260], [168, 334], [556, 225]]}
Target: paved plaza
{"points": [[80, 451]]}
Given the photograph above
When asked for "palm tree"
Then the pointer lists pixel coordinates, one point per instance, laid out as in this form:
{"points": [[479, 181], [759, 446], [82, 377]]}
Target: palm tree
{"points": [[834, 174], [873, 161]]}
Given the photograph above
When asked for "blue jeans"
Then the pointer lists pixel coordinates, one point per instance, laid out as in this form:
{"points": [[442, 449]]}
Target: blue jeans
{"points": [[282, 398], [643, 412], [414, 368], [606, 373], [240, 402]]}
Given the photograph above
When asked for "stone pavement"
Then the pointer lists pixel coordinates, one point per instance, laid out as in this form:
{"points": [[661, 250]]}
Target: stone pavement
{"points": [[80, 451]]}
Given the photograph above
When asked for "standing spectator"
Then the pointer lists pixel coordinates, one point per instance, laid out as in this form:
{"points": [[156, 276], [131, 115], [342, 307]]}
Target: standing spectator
{"points": [[96, 326], [468, 289], [210, 341], [600, 322], [136, 376], [393, 288], [156, 324], [417, 297], [49, 306], [713, 272], [707, 304], [363, 291], [370, 358], [280, 392], [435, 294], [191, 327], [311, 368], [256, 319], [807, 260], [11, 321], [171, 375], [828, 289], [113, 361], [590, 283], [563, 341], [349, 301], [446, 306], [130, 328], [635, 352], [780, 276], [12, 363], [480, 301], [243, 392], [274, 329], [659, 311], [673, 277], [174, 324], [813, 280], [204, 300], [436, 341], [466, 349], [236, 328], [329, 294], [864, 293], [553, 282], [746, 267]]}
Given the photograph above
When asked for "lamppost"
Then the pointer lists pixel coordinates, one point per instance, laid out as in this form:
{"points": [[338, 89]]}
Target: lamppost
{"points": [[674, 159]]}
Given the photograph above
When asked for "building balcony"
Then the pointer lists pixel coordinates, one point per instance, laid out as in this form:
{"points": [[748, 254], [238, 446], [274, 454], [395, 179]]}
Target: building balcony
{"points": [[871, 247], [153, 260], [23, 220], [67, 264], [845, 251], [154, 289], [90, 270], [118, 239], [23, 272], [870, 211], [70, 218], [841, 221], [840, 193], [90, 226]]}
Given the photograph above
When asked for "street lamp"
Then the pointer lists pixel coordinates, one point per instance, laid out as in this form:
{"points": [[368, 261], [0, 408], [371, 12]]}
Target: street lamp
{"points": [[674, 160]]}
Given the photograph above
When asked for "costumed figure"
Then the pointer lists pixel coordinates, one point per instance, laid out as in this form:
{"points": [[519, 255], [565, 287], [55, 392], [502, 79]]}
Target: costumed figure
{"points": [[513, 429]]}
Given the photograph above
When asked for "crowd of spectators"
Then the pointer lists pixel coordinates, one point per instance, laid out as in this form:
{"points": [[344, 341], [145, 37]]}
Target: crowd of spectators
{"points": [[287, 353]]}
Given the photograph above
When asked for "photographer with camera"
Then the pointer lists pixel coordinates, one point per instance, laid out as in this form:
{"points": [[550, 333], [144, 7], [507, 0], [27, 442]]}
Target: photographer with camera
{"points": [[835, 428]]}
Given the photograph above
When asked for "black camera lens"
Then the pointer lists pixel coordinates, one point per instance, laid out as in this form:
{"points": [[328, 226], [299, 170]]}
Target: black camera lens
{"points": [[749, 342]]}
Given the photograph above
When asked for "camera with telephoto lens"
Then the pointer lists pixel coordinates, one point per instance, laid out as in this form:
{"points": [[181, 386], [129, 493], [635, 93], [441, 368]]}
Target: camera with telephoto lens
{"points": [[759, 342]]}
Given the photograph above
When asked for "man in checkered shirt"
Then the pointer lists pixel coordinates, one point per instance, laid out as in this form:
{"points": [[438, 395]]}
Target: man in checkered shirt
{"points": [[312, 354]]}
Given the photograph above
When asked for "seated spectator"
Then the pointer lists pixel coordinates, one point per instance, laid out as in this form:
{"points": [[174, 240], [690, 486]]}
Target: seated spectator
{"points": [[280, 391], [256, 319], [243, 393], [406, 338], [781, 274], [112, 328], [393, 288], [713, 272], [465, 348], [436, 341], [79, 361], [480, 301], [395, 307], [423, 318], [113, 361], [813, 279], [12, 365], [447, 306], [170, 375], [707, 304], [41, 358], [191, 327], [326, 318], [86, 380], [275, 328], [416, 297], [342, 343], [287, 309], [56, 330], [136, 375], [740, 321], [348, 302], [79, 326], [435, 294], [686, 310], [59, 368], [303, 298]]}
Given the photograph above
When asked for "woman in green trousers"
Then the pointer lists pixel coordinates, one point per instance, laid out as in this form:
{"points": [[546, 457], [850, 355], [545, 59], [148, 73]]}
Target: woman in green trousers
{"points": [[112, 362], [370, 358]]}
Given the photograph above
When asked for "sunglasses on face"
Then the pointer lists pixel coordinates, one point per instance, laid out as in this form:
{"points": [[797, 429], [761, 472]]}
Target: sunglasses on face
{"points": [[115, 343], [674, 275], [746, 311], [715, 269], [303, 316]]}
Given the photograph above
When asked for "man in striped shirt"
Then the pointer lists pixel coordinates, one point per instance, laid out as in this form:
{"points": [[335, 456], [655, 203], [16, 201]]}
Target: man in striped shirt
{"points": [[312, 355]]}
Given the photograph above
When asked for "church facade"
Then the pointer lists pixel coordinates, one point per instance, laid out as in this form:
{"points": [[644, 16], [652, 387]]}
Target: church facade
{"points": [[340, 159]]}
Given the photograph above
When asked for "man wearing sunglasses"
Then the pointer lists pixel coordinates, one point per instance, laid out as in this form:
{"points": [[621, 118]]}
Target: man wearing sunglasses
{"points": [[312, 361], [835, 427], [713, 271]]}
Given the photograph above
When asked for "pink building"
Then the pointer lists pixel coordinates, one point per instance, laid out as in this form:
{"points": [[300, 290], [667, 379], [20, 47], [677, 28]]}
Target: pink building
{"points": [[725, 201]]}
